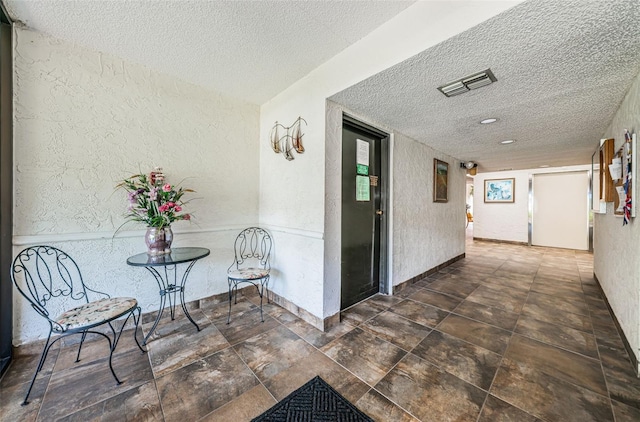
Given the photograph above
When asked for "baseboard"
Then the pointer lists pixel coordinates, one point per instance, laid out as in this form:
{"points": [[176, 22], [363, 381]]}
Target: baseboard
{"points": [[510, 242], [399, 287], [627, 346]]}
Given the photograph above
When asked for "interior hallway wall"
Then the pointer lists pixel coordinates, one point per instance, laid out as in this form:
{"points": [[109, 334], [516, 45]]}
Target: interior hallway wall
{"points": [[83, 122], [298, 198], [617, 247]]}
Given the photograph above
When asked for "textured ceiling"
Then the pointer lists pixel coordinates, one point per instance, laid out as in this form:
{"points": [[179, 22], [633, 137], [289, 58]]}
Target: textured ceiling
{"points": [[250, 50], [563, 68]]}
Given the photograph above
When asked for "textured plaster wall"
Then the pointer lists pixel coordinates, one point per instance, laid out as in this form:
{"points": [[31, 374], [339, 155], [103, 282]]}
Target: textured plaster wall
{"points": [[425, 233], [299, 196], [617, 248], [85, 120], [508, 221]]}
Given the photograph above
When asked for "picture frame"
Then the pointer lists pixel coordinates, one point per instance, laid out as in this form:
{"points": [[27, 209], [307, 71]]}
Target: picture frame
{"points": [[440, 181], [500, 190]]}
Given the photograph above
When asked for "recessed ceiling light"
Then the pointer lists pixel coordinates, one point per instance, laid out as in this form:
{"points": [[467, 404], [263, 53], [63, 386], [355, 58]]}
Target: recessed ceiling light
{"points": [[488, 121], [507, 141]]}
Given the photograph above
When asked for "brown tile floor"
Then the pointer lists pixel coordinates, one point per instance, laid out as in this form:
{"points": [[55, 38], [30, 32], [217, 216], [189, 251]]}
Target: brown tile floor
{"points": [[510, 333]]}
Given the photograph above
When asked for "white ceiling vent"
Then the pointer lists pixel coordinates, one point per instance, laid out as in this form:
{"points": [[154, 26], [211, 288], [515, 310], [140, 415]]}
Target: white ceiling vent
{"points": [[468, 83]]}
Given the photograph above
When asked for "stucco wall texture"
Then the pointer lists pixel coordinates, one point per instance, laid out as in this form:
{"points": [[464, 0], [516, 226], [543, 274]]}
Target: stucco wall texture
{"points": [[617, 247], [83, 121]]}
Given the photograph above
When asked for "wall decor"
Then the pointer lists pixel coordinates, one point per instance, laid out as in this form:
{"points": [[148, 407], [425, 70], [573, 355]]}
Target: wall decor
{"points": [[290, 141], [499, 190], [440, 181], [624, 180]]}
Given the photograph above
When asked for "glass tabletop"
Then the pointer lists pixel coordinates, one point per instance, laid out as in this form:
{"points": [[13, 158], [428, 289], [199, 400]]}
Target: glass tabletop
{"points": [[177, 256]]}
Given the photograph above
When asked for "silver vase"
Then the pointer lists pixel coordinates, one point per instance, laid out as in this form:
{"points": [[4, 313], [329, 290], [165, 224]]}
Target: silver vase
{"points": [[158, 240]]}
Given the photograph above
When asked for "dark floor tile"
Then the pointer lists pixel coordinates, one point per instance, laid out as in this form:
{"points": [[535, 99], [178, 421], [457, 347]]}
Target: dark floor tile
{"points": [[90, 382], [453, 287], [308, 367], [419, 312], [496, 410], [545, 302], [559, 317], [561, 364], [138, 404], [494, 316], [464, 360], [269, 353], [316, 337], [502, 282], [558, 335], [361, 312], [245, 407], [364, 354], [379, 408], [11, 398], [24, 364], [396, 329], [194, 391], [244, 325], [429, 393], [546, 396], [510, 300], [439, 300], [384, 300], [478, 333], [625, 413], [624, 385]]}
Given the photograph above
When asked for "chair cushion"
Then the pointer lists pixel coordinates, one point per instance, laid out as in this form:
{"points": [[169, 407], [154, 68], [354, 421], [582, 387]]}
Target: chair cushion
{"points": [[96, 312], [248, 273]]}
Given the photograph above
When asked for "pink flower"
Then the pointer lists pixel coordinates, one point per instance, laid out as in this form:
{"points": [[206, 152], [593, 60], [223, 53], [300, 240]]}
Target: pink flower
{"points": [[163, 208], [171, 204], [167, 187], [153, 194], [178, 208], [186, 217]]}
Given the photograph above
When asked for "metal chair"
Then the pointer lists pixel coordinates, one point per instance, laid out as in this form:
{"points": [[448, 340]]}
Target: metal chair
{"points": [[52, 283], [251, 265]]}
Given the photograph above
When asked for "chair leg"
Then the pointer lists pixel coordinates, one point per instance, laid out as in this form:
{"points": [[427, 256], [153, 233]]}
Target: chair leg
{"points": [[261, 292], [84, 335], [135, 329], [230, 296], [43, 357]]}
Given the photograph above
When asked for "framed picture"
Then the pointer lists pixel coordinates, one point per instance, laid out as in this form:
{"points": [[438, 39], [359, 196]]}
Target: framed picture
{"points": [[440, 179], [499, 190]]}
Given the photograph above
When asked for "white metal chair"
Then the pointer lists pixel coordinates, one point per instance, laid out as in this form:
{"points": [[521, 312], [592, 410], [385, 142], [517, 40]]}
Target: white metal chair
{"points": [[51, 281], [251, 264]]}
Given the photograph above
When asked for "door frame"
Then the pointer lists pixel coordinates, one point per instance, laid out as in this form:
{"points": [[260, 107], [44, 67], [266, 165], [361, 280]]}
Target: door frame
{"points": [[385, 286], [6, 189]]}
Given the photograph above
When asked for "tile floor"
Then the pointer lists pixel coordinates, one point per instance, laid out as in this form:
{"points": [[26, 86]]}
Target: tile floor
{"points": [[510, 333]]}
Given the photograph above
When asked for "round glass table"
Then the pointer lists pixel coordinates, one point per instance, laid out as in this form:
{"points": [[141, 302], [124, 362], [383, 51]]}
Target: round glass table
{"points": [[160, 267]]}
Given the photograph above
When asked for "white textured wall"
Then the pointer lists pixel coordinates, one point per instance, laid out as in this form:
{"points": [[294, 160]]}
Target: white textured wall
{"points": [[508, 221], [425, 233], [299, 197], [616, 248], [85, 120]]}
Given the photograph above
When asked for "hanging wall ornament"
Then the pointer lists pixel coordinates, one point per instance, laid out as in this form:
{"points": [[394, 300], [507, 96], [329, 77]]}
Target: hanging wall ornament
{"points": [[290, 141]]}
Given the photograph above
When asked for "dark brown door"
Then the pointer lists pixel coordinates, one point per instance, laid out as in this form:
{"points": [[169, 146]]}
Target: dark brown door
{"points": [[361, 213]]}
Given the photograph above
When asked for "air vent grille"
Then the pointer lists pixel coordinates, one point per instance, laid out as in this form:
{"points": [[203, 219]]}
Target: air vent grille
{"points": [[467, 83]]}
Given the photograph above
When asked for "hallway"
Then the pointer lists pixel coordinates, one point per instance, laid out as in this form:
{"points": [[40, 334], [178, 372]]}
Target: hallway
{"points": [[510, 333]]}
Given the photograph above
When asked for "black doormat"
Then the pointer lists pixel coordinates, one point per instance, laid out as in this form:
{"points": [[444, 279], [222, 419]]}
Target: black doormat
{"points": [[316, 401]]}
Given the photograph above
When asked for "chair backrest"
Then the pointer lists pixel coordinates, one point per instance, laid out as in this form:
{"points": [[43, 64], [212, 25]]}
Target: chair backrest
{"points": [[49, 279], [252, 248]]}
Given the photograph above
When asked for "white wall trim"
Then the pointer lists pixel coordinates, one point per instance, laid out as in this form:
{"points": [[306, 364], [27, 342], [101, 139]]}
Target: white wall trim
{"points": [[74, 237]]}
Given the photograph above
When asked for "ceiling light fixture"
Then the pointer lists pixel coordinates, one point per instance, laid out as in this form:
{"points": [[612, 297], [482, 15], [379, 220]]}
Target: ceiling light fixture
{"points": [[467, 83], [507, 141], [544, 166], [488, 121]]}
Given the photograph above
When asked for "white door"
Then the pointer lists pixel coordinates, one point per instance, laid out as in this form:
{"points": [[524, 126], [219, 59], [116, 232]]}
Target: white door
{"points": [[560, 216]]}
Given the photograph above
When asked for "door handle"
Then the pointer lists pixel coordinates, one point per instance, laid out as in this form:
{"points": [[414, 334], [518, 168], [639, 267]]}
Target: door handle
{"points": [[379, 212]]}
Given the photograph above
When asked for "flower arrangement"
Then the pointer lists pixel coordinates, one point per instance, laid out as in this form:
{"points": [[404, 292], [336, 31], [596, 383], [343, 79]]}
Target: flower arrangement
{"points": [[153, 201]]}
